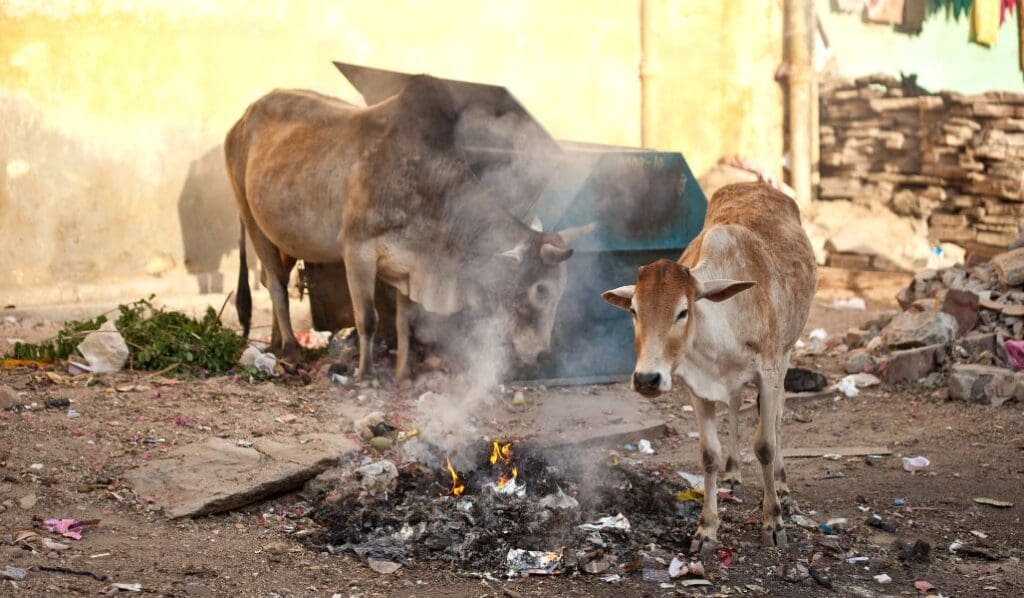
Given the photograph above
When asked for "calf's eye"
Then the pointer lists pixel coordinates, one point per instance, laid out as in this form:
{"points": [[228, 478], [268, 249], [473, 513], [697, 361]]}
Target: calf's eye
{"points": [[681, 315]]}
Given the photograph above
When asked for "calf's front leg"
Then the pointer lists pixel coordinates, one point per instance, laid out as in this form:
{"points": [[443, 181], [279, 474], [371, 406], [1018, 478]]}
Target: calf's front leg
{"points": [[705, 539], [770, 399], [732, 480]]}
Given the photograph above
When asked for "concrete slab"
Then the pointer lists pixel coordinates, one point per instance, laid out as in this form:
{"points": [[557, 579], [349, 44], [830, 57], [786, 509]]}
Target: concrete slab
{"points": [[603, 416], [215, 475]]}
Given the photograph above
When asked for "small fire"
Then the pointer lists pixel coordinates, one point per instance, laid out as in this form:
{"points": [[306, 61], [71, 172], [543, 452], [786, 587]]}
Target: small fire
{"points": [[504, 479], [457, 486], [502, 452]]}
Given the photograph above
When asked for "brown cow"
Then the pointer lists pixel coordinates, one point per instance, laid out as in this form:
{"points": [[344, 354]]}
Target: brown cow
{"points": [[727, 314], [382, 190]]}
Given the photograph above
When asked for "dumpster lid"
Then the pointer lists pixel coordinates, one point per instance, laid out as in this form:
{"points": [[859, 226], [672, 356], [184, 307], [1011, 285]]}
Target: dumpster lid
{"points": [[494, 101]]}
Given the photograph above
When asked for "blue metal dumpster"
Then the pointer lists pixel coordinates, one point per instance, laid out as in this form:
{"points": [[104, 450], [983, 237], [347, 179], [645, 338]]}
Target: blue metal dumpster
{"points": [[646, 204]]}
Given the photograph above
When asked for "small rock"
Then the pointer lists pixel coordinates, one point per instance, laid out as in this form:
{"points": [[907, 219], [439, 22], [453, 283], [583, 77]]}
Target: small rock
{"points": [[383, 567], [378, 478], [963, 306], [859, 360], [381, 443], [288, 418], [985, 384], [856, 337], [794, 572], [276, 548], [9, 399], [910, 365], [919, 328], [28, 501], [196, 590], [13, 573]]}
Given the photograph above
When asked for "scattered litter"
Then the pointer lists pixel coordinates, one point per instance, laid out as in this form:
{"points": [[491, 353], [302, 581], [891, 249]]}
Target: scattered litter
{"points": [[51, 545], [72, 413], [918, 552], [69, 528], [913, 464], [383, 567], [836, 522], [826, 529], [690, 495], [804, 522], [695, 481], [678, 568], [104, 351], [1014, 353], [876, 521], [254, 358], [853, 560], [518, 399], [36, 466], [644, 446], [992, 502], [694, 582], [865, 380], [848, 386], [128, 587], [923, 586], [617, 522], [532, 562], [979, 534], [883, 578], [378, 478], [313, 339], [724, 556], [818, 334], [611, 578], [854, 303], [794, 572], [559, 500], [511, 487], [13, 573], [898, 502]]}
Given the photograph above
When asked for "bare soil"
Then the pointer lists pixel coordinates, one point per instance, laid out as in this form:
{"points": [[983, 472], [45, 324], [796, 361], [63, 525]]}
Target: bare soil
{"points": [[73, 468]]}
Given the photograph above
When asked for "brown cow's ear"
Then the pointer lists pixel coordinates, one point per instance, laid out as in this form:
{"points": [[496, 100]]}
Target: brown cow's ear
{"points": [[621, 297], [722, 289]]}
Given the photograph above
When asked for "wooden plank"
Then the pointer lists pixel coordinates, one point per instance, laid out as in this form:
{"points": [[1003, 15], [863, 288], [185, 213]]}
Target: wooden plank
{"points": [[842, 451]]}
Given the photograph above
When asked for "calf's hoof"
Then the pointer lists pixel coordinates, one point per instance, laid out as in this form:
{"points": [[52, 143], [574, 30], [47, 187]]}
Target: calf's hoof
{"points": [[733, 485], [703, 543], [774, 534]]}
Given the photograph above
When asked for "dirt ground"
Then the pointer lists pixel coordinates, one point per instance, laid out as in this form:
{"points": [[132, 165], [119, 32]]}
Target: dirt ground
{"points": [[55, 466]]}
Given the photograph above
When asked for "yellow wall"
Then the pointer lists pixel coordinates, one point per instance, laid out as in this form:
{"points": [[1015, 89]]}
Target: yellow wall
{"points": [[112, 112]]}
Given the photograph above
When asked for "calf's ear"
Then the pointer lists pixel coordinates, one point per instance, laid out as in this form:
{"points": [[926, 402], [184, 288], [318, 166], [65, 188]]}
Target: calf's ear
{"points": [[621, 297], [721, 289]]}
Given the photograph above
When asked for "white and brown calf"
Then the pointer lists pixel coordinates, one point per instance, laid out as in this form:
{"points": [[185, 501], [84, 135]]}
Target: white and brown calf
{"points": [[726, 315]]}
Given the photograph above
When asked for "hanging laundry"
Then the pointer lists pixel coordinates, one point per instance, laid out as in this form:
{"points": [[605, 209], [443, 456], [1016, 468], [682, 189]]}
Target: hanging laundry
{"points": [[1005, 7], [914, 12], [884, 11], [985, 21], [961, 7]]}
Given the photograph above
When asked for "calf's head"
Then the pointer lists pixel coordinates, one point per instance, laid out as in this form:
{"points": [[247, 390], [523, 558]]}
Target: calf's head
{"points": [[666, 304]]}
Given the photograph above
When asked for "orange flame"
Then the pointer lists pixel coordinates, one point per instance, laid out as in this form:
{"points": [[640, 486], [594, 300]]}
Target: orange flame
{"points": [[457, 486], [503, 452]]}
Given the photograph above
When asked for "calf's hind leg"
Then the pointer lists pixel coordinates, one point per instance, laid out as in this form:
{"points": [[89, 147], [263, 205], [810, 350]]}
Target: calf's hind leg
{"points": [[770, 399]]}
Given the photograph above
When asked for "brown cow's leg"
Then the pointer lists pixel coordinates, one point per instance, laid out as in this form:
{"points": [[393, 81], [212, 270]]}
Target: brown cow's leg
{"points": [[705, 539], [789, 506], [770, 397], [277, 271], [732, 479], [402, 332], [361, 272]]}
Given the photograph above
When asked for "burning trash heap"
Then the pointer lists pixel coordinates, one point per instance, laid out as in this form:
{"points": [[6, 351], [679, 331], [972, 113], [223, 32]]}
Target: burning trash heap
{"points": [[514, 509], [964, 322]]}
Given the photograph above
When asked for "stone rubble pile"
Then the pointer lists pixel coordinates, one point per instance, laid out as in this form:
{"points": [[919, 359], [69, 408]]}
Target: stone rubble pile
{"points": [[954, 321], [954, 161]]}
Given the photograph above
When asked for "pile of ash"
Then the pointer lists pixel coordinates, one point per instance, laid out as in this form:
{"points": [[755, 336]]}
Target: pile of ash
{"points": [[554, 516]]}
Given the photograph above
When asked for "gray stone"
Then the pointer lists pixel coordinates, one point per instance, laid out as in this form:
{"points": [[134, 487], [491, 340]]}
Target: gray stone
{"points": [[985, 384], [977, 343], [9, 399], [859, 360], [919, 328], [215, 475], [963, 306], [910, 365], [197, 590]]}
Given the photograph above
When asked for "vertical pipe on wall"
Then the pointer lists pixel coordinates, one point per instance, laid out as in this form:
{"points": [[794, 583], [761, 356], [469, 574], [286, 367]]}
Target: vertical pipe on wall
{"points": [[798, 27], [648, 74]]}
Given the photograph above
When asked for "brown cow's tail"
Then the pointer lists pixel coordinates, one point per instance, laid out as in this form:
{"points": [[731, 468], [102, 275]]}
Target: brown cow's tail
{"points": [[243, 297]]}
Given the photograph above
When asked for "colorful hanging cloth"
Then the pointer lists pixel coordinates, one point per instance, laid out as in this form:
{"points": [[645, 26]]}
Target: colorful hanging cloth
{"points": [[961, 7], [884, 11], [985, 21], [1006, 6]]}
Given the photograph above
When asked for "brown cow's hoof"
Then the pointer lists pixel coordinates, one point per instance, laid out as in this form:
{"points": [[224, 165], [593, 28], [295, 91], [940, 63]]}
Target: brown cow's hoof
{"points": [[703, 544], [774, 534]]}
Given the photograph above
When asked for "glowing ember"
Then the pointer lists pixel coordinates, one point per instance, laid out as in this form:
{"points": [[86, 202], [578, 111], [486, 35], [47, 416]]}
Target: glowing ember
{"points": [[457, 486]]}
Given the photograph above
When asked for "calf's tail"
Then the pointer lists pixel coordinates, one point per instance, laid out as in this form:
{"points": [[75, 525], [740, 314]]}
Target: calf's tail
{"points": [[243, 296]]}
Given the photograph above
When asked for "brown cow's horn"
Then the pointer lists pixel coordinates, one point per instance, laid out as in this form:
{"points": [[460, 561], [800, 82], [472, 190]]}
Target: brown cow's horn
{"points": [[575, 233], [552, 254]]}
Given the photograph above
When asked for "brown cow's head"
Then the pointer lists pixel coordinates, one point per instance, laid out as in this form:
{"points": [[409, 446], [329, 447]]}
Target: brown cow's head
{"points": [[666, 306], [533, 289]]}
